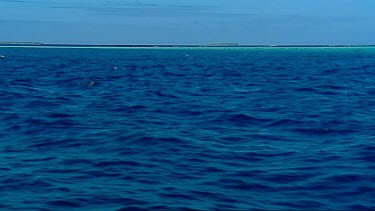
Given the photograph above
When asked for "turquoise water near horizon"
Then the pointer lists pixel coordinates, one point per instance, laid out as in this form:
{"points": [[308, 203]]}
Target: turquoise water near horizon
{"points": [[187, 128]]}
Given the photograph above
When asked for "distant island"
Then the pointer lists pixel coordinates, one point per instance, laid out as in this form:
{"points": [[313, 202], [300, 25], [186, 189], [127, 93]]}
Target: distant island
{"points": [[42, 44], [223, 45], [21, 43], [213, 45]]}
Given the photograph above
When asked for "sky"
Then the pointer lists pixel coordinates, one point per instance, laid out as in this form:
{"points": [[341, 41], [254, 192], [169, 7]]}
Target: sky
{"points": [[269, 22]]}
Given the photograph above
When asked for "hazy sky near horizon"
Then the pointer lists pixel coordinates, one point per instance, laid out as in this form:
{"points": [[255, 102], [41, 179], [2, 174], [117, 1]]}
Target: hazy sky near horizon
{"points": [[188, 21]]}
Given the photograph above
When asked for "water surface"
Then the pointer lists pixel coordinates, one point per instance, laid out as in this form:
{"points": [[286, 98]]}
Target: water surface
{"points": [[178, 128]]}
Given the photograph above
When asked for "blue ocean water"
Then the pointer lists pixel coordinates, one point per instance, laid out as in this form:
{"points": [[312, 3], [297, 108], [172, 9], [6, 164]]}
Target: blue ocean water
{"points": [[187, 128]]}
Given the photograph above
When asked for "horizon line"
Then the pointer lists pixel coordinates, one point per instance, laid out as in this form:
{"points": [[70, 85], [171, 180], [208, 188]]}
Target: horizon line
{"points": [[213, 45]]}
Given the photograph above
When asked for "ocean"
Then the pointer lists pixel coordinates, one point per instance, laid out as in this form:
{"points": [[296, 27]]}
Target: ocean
{"points": [[187, 128]]}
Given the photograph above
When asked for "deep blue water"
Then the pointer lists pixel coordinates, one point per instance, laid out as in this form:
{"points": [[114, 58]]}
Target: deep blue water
{"points": [[241, 128]]}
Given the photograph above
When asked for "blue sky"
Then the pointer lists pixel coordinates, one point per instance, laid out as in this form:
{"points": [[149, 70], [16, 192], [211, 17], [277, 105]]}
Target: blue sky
{"points": [[188, 22]]}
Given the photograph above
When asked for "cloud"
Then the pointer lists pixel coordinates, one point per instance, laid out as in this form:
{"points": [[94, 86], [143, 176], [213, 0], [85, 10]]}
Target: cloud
{"points": [[119, 11], [140, 9]]}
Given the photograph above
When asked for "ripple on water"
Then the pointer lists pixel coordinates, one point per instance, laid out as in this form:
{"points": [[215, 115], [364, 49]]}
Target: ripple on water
{"points": [[203, 129]]}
